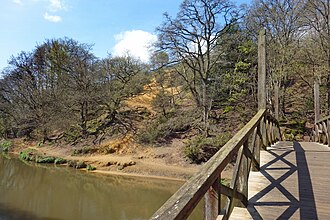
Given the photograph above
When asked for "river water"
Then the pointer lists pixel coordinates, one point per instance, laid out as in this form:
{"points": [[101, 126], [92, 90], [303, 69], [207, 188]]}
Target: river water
{"points": [[31, 191]]}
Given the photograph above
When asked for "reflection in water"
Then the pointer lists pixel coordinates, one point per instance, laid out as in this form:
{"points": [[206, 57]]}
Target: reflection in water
{"points": [[28, 191]]}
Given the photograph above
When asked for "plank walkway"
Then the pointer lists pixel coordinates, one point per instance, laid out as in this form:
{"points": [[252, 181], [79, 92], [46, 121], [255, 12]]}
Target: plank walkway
{"points": [[294, 183]]}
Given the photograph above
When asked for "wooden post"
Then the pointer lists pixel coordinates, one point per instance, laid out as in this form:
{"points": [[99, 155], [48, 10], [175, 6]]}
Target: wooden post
{"points": [[244, 178], [262, 81], [256, 148], [262, 70], [328, 131], [316, 100], [212, 201]]}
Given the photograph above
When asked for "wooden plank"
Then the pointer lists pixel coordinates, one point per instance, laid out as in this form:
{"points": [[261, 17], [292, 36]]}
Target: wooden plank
{"points": [[323, 119], [296, 186], [245, 170], [229, 192], [255, 150], [325, 131], [234, 182], [249, 154], [212, 201]]}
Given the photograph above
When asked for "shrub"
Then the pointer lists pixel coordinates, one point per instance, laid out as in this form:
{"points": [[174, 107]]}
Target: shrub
{"points": [[228, 109], [28, 155], [202, 148], [59, 160], [41, 159], [72, 134], [5, 146], [162, 129], [90, 168]]}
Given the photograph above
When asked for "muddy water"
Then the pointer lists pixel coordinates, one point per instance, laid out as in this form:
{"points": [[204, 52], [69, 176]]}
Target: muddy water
{"points": [[29, 191]]}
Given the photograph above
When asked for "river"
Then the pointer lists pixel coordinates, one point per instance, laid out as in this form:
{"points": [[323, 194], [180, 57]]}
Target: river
{"points": [[31, 191]]}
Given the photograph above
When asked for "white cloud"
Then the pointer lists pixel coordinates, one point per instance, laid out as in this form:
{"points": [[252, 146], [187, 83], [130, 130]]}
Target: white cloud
{"points": [[19, 2], [52, 18], [135, 42], [56, 5]]}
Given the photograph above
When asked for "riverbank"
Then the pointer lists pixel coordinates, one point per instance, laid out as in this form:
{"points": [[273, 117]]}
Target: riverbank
{"points": [[152, 162]]}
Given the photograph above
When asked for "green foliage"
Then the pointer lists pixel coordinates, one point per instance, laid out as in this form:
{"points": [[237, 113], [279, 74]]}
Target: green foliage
{"points": [[225, 182], [59, 160], [42, 159], [90, 167], [5, 145], [228, 109], [293, 129], [247, 48], [162, 101], [32, 155], [28, 155], [72, 134], [289, 137], [242, 66], [163, 128], [202, 148], [153, 133], [309, 103]]}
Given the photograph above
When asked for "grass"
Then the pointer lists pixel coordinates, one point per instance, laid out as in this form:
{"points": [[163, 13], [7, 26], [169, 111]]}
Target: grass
{"points": [[5, 146]]}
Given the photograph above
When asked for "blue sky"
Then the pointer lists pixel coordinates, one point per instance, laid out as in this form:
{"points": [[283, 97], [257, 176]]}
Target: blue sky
{"points": [[113, 26]]}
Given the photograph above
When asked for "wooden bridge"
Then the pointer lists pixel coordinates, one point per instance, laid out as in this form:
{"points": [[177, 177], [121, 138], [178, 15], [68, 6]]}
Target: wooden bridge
{"points": [[272, 179], [292, 183]]}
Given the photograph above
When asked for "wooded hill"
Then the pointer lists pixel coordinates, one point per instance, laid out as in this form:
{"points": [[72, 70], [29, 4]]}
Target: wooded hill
{"points": [[204, 66]]}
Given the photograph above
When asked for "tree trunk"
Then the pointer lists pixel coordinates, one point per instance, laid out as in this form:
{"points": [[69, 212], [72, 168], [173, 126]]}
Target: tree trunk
{"points": [[316, 100], [205, 105], [83, 114], [276, 99], [283, 100]]}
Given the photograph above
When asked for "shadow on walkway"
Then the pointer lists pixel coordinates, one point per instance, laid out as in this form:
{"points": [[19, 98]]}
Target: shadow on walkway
{"points": [[306, 201]]}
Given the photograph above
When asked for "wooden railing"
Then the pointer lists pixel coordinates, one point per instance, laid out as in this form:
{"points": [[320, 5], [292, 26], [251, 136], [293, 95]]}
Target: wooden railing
{"points": [[261, 131], [321, 131]]}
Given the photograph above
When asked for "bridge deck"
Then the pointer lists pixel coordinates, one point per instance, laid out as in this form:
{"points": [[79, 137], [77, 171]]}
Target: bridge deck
{"points": [[294, 183]]}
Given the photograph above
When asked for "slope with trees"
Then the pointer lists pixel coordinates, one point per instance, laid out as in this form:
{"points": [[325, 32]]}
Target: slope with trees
{"points": [[201, 81]]}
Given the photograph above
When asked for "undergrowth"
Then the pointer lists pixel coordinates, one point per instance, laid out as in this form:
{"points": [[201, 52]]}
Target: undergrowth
{"points": [[201, 148]]}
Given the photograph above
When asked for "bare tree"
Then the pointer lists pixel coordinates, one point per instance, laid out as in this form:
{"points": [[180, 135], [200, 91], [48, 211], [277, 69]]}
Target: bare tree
{"points": [[282, 20], [317, 19], [121, 78], [190, 39]]}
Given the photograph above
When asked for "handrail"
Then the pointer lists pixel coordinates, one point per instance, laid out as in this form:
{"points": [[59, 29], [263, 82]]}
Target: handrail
{"points": [[261, 131], [321, 132], [323, 119]]}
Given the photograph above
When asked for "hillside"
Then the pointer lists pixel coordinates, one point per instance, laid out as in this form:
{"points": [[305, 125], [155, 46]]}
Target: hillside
{"points": [[127, 155]]}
